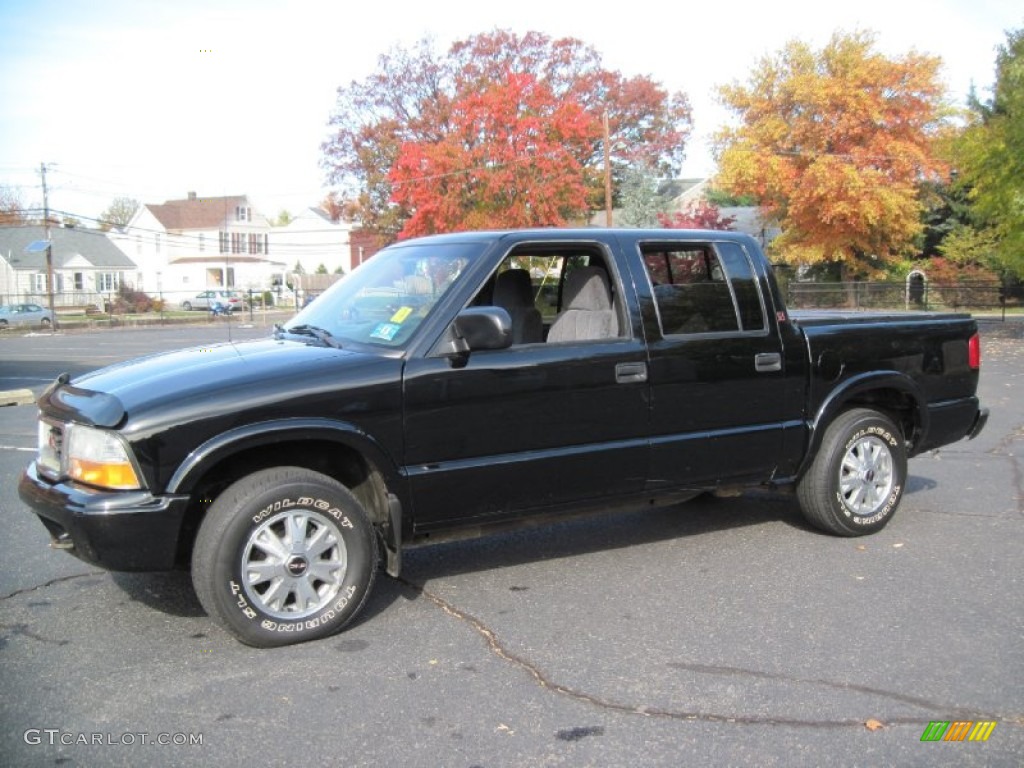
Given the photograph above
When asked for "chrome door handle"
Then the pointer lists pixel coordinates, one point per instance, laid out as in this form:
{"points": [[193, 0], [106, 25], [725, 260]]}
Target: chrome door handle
{"points": [[767, 362], [629, 373]]}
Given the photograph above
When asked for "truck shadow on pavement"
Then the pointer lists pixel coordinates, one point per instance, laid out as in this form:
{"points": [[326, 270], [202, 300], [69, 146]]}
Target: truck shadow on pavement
{"points": [[172, 593], [169, 592]]}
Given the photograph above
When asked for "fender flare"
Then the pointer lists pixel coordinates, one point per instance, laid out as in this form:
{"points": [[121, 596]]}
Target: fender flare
{"points": [[853, 387], [226, 444]]}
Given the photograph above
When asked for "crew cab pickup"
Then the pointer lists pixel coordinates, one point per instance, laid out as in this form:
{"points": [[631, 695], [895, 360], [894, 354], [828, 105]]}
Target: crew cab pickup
{"points": [[461, 382]]}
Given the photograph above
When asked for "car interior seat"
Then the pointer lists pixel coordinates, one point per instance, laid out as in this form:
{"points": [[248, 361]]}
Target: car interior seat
{"points": [[513, 291], [588, 312]]}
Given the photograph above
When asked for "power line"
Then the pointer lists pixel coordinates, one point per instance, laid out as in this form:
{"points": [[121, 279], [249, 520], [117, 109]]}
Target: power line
{"points": [[172, 236]]}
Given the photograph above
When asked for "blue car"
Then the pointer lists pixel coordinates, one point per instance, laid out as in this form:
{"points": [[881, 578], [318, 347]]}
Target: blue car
{"points": [[31, 315]]}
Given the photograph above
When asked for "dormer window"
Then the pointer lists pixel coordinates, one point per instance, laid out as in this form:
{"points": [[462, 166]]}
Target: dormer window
{"points": [[243, 213]]}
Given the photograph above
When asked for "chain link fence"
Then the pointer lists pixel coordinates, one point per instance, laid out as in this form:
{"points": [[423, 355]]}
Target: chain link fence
{"points": [[915, 294]]}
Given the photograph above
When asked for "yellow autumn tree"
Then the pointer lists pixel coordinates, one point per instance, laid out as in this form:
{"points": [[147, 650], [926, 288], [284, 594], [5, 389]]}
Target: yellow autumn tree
{"points": [[834, 143]]}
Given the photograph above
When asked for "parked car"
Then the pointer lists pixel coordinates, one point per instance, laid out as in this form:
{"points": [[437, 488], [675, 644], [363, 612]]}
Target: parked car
{"points": [[424, 396], [24, 314], [206, 299]]}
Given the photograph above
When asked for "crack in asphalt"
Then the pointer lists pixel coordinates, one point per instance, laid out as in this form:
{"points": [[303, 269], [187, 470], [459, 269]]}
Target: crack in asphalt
{"points": [[500, 650], [23, 630], [49, 583]]}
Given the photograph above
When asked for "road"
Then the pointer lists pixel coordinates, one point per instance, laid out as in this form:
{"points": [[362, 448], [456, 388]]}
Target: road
{"points": [[720, 632]]}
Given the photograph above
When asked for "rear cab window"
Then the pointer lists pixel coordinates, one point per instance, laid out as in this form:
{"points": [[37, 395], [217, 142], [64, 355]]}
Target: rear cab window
{"points": [[702, 288]]}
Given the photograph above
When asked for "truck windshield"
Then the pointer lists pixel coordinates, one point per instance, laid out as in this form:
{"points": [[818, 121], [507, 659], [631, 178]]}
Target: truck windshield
{"points": [[385, 299]]}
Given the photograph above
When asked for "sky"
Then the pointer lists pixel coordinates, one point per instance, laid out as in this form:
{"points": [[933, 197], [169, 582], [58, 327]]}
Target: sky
{"points": [[152, 99]]}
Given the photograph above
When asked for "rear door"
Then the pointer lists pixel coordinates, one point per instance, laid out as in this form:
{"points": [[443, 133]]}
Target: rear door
{"points": [[717, 374]]}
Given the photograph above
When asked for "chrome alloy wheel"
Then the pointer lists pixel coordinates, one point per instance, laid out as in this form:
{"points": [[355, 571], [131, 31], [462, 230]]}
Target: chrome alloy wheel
{"points": [[866, 476], [294, 564]]}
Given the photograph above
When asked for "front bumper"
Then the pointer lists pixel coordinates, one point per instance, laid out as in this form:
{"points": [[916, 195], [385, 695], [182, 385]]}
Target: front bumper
{"points": [[116, 530]]}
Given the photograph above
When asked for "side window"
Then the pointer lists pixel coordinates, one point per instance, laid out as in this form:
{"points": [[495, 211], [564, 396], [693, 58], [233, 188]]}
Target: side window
{"points": [[554, 294], [690, 289], [744, 286], [515, 286]]}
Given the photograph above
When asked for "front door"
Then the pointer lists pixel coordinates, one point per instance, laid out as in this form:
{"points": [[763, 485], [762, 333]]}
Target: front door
{"points": [[534, 426]]}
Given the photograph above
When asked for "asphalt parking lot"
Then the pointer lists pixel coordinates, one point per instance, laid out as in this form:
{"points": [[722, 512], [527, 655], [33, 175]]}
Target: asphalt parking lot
{"points": [[719, 632]]}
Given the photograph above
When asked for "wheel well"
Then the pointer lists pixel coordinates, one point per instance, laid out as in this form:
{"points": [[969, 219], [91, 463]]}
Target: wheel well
{"points": [[897, 405], [344, 464]]}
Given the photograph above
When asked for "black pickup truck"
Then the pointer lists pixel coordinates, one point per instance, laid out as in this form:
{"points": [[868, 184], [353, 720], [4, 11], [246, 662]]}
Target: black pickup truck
{"points": [[463, 382]]}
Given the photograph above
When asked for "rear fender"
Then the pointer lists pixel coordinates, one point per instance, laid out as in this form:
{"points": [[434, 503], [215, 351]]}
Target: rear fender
{"points": [[859, 390]]}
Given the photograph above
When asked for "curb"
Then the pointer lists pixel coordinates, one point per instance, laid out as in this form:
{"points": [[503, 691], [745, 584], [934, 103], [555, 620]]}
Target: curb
{"points": [[17, 397]]}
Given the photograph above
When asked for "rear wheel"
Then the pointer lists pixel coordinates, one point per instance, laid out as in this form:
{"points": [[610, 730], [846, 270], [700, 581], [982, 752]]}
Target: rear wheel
{"points": [[187, 306], [283, 556], [856, 480]]}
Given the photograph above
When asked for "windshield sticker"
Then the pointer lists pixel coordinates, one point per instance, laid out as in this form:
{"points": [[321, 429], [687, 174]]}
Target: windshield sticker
{"points": [[385, 331], [401, 315]]}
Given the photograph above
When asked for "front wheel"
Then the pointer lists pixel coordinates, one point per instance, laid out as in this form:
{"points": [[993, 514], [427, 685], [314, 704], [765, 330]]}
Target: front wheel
{"points": [[856, 480], [283, 556]]}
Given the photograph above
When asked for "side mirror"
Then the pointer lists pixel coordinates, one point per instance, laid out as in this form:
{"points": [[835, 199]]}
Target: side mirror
{"points": [[483, 328]]}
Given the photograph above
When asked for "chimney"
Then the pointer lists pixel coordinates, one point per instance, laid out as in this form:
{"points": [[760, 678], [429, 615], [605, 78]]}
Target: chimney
{"points": [[191, 195]]}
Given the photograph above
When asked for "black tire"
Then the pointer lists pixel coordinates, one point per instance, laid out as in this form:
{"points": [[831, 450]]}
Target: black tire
{"points": [[318, 581], [45, 322], [187, 306], [855, 482]]}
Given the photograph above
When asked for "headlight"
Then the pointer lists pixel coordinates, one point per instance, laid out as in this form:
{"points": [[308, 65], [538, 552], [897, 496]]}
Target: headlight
{"points": [[100, 458]]}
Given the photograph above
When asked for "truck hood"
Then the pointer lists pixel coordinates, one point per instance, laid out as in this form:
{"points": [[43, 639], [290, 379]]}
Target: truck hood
{"points": [[202, 378]]}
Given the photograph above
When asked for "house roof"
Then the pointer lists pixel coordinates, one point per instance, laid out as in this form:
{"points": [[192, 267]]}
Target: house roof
{"points": [[196, 212], [68, 243], [681, 190]]}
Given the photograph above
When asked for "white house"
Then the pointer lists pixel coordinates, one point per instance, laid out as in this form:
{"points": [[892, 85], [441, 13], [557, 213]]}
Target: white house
{"points": [[312, 239], [186, 246], [87, 267]]}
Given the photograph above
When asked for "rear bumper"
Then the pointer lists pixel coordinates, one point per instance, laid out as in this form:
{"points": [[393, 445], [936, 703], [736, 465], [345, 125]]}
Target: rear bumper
{"points": [[980, 420], [119, 531], [951, 421]]}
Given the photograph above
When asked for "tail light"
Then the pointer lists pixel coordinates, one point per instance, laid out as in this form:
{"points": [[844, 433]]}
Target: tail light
{"points": [[974, 352]]}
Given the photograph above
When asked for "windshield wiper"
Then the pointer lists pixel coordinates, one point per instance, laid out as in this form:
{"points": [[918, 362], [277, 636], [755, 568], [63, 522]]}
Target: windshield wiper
{"points": [[304, 329]]}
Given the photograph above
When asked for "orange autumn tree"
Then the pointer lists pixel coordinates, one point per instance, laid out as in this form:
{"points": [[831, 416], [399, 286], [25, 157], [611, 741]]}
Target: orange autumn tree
{"points": [[834, 143], [509, 159]]}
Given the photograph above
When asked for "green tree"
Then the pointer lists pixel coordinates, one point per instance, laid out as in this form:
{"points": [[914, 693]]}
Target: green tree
{"points": [[638, 198], [967, 246], [990, 158]]}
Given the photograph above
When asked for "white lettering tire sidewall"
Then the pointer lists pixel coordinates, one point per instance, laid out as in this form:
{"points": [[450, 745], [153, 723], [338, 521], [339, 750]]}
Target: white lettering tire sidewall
{"points": [[226, 529]]}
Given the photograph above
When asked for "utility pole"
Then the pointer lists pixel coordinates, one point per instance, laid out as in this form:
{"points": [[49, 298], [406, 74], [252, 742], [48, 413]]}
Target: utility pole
{"points": [[607, 174], [49, 249]]}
